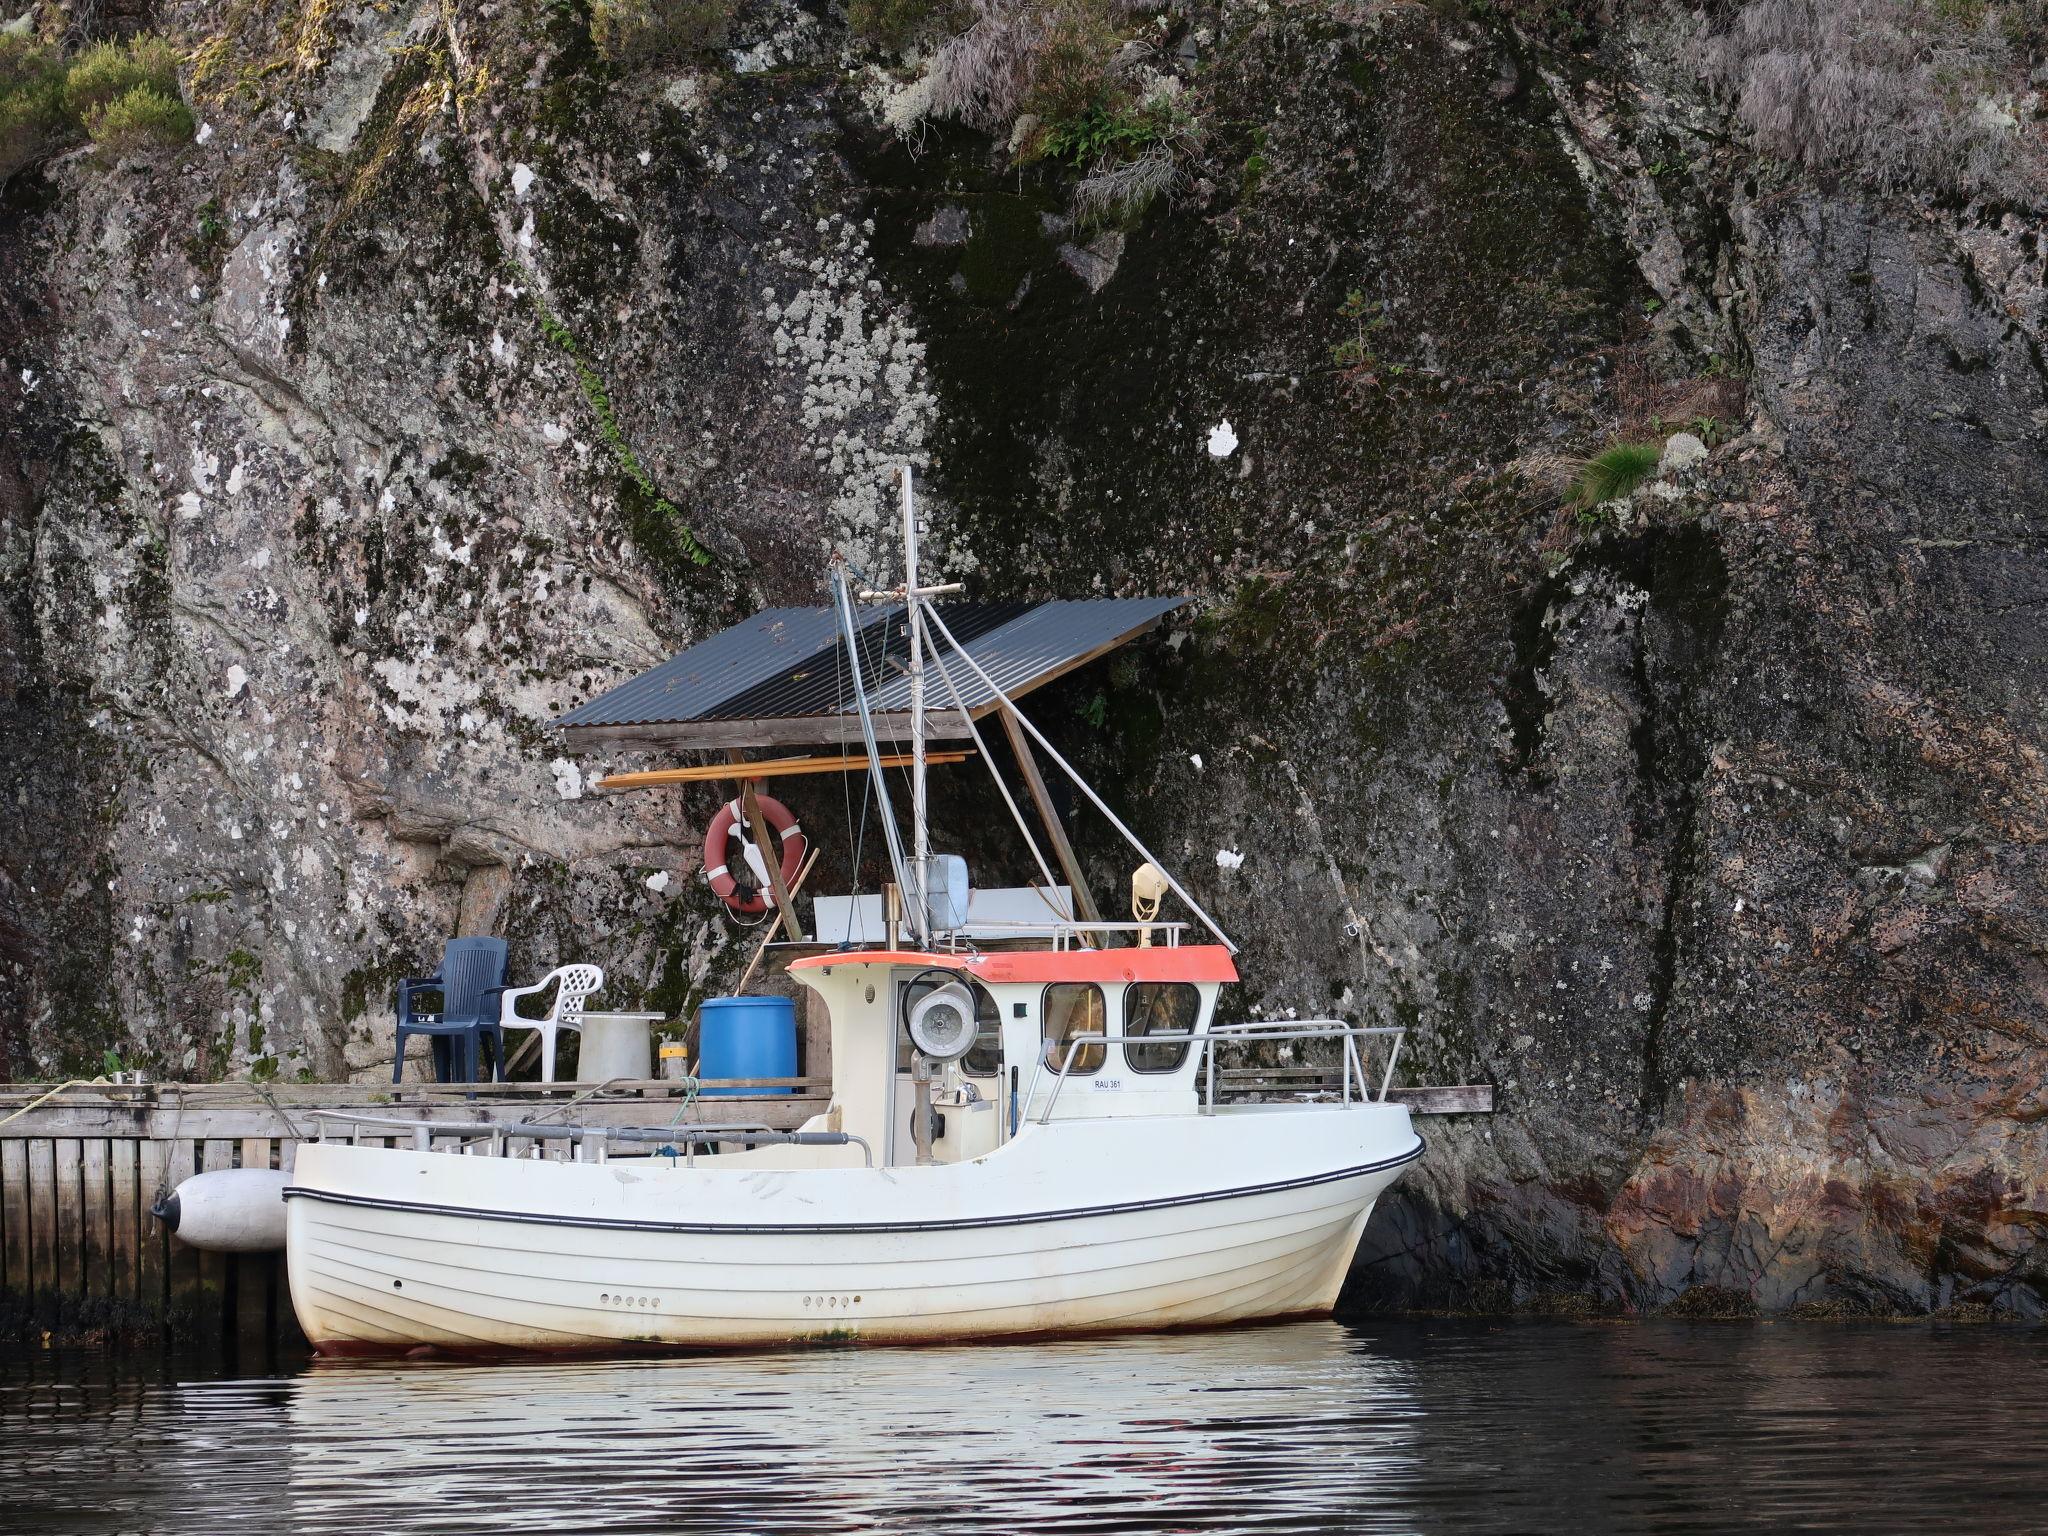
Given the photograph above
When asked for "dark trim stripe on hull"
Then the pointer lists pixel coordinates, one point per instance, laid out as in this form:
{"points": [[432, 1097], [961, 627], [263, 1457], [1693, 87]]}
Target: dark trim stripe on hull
{"points": [[611, 1224]]}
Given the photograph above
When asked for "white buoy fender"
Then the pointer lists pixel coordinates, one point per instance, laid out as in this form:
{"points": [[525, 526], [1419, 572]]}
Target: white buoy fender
{"points": [[231, 1210]]}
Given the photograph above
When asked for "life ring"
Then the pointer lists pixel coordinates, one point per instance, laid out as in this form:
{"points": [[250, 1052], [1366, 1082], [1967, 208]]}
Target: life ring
{"points": [[719, 834]]}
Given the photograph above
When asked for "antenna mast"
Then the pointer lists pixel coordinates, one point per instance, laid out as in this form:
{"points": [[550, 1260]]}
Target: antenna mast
{"points": [[920, 831]]}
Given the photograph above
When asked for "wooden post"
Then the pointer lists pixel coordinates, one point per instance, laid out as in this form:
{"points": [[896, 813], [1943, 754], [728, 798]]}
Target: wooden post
{"points": [[14, 1216], [1084, 904], [42, 1208], [70, 1219], [181, 1259], [757, 828], [252, 1271], [152, 1163], [99, 1225], [125, 1254]]}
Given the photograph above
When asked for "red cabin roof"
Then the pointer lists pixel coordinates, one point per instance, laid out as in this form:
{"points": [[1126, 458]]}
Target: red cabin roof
{"points": [[1182, 962]]}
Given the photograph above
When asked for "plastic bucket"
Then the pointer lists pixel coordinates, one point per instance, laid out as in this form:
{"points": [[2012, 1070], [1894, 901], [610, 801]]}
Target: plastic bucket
{"points": [[746, 1037]]}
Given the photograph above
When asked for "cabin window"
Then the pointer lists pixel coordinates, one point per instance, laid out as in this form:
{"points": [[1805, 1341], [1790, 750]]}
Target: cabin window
{"points": [[1160, 1008], [1072, 1009], [986, 1059]]}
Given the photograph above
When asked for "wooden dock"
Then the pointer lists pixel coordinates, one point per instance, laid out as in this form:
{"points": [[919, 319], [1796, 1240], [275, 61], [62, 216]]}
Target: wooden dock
{"points": [[80, 1252]]}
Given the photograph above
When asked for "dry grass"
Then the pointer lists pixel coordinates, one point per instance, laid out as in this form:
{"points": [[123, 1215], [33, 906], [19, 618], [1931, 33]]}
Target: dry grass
{"points": [[1118, 189], [981, 77], [1896, 91]]}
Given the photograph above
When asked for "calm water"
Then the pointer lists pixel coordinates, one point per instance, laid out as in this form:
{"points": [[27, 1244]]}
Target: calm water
{"points": [[1310, 1427]]}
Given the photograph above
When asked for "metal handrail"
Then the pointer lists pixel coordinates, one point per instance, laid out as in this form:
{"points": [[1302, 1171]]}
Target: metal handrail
{"points": [[1306, 1029], [1063, 931], [582, 1136]]}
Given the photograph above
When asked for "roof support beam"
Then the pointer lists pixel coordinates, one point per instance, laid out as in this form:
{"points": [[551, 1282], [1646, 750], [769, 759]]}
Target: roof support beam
{"points": [[774, 768], [794, 731], [1084, 904]]}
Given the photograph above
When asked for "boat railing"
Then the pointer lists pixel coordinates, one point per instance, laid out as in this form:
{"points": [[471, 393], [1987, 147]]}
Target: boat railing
{"points": [[1355, 1079], [589, 1143], [1065, 934]]}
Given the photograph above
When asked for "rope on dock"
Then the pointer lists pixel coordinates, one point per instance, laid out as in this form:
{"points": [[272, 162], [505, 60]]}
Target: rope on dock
{"points": [[76, 1082]]}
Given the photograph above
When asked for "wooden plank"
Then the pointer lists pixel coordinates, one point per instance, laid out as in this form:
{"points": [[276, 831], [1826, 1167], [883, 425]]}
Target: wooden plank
{"points": [[14, 1220], [96, 1183], [42, 1213], [124, 1217], [1041, 800], [795, 731], [216, 1153], [181, 1266], [70, 1218], [757, 829], [152, 1240], [774, 768], [1457, 1099], [638, 1101], [250, 1283]]}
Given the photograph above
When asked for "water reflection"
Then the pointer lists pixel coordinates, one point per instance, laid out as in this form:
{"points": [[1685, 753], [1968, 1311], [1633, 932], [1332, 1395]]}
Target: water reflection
{"points": [[1311, 1427], [1126, 1434]]}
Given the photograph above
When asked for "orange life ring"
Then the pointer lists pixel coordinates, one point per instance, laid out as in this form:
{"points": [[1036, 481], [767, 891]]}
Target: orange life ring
{"points": [[719, 834]]}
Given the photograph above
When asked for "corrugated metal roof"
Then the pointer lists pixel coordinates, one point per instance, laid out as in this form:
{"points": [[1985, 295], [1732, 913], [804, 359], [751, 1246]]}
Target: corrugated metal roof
{"points": [[729, 663], [1032, 645], [785, 666]]}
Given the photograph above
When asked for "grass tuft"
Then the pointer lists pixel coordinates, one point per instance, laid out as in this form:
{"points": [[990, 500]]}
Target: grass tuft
{"points": [[1614, 472]]}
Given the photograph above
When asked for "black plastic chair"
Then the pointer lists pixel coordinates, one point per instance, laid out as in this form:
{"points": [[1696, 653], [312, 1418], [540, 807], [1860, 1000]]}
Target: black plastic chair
{"points": [[471, 982]]}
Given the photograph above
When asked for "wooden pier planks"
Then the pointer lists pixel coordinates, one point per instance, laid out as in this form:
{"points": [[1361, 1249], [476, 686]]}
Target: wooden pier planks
{"points": [[15, 1264], [78, 1175], [152, 1248], [96, 1216], [42, 1216], [125, 1215], [181, 1268]]}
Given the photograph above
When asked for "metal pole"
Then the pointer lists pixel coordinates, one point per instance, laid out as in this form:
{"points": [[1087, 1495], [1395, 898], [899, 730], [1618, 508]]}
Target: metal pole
{"points": [[867, 721], [1068, 768], [920, 833]]}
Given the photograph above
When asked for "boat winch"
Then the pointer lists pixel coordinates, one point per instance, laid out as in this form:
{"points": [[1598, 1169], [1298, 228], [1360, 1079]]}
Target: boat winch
{"points": [[941, 1022]]}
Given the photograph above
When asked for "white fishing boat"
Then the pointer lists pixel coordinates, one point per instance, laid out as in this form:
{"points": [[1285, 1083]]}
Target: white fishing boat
{"points": [[1025, 1136]]}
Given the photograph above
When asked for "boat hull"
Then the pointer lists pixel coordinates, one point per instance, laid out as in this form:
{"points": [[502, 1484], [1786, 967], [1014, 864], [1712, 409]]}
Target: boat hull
{"points": [[1256, 1218]]}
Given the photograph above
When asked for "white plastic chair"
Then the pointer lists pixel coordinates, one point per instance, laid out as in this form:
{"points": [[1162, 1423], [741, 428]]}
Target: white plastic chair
{"points": [[577, 983]]}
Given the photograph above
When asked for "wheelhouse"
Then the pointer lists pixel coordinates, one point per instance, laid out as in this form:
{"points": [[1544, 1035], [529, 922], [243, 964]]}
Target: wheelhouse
{"points": [[1062, 1033]]}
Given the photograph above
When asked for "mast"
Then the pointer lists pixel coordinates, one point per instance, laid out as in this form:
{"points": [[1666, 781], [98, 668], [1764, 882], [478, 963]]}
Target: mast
{"points": [[851, 634], [920, 831]]}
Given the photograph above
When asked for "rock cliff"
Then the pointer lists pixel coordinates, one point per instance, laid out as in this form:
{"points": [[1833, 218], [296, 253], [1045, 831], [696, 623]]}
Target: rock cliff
{"points": [[453, 370]]}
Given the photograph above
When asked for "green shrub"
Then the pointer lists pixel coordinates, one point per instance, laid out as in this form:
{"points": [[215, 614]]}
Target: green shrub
{"points": [[31, 102], [106, 72], [139, 119], [1614, 472], [638, 33], [122, 95]]}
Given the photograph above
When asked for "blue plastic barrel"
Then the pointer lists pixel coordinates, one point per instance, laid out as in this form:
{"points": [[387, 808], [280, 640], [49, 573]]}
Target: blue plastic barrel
{"points": [[746, 1037]]}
